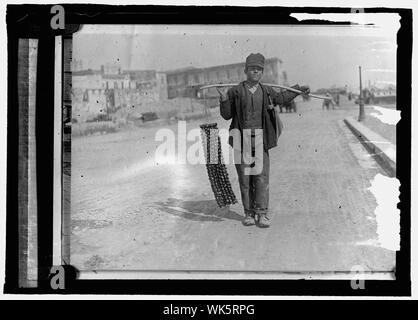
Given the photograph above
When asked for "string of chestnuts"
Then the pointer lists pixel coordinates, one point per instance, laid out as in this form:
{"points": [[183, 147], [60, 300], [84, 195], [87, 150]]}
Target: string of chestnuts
{"points": [[215, 165]]}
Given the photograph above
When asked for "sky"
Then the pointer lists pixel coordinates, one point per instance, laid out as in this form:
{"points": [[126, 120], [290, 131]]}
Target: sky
{"points": [[319, 56]]}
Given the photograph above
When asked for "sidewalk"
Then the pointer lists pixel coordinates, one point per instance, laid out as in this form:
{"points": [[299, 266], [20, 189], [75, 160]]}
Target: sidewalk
{"points": [[377, 136], [385, 130], [382, 149]]}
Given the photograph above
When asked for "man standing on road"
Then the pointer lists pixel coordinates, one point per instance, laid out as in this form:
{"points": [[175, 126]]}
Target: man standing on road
{"points": [[251, 106], [327, 102]]}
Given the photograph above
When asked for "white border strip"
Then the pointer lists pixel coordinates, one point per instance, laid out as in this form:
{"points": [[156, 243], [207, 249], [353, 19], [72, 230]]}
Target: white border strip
{"points": [[57, 218], [32, 269], [204, 275]]}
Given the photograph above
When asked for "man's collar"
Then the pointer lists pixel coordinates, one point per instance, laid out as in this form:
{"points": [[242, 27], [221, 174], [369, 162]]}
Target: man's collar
{"points": [[253, 86]]}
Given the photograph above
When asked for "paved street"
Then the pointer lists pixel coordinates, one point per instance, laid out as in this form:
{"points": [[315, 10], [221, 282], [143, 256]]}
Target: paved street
{"points": [[130, 213]]}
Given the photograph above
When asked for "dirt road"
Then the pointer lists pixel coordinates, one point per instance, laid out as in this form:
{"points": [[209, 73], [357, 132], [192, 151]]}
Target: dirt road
{"points": [[129, 212]]}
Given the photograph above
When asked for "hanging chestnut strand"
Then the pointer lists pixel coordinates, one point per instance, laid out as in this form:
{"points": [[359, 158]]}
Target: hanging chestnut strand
{"points": [[216, 169]]}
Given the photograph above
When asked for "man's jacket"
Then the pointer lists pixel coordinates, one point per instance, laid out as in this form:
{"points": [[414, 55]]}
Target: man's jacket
{"points": [[233, 108]]}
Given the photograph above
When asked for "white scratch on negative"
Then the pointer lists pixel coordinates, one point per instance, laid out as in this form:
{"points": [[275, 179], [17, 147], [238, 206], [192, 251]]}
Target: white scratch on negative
{"points": [[388, 116], [386, 192]]}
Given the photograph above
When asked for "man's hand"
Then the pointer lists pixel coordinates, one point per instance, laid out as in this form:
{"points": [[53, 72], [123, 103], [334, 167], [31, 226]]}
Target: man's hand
{"points": [[223, 94]]}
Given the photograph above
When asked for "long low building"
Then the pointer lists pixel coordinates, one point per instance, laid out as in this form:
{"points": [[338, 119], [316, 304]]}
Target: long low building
{"points": [[186, 82]]}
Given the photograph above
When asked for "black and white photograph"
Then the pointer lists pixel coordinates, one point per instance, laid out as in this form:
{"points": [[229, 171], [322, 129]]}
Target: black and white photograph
{"points": [[141, 199], [148, 144]]}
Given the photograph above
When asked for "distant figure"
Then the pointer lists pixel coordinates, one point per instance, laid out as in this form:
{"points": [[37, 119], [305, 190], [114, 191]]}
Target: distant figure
{"points": [[337, 99], [349, 96], [368, 96], [326, 103]]}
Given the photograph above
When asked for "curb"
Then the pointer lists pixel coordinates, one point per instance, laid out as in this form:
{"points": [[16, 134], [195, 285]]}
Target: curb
{"points": [[383, 150]]}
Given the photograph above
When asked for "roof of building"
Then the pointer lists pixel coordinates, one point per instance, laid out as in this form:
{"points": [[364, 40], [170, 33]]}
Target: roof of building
{"points": [[138, 71], [193, 69], [88, 72], [179, 70], [382, 87], [114, 76], [140, 74]]}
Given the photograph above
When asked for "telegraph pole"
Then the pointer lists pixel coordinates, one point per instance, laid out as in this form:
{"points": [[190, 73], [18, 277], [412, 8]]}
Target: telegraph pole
{"points": [[360, 100]]}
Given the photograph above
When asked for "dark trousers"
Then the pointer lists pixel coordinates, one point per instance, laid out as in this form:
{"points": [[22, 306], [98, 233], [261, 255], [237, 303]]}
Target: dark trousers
{"points": [[254, 188]]}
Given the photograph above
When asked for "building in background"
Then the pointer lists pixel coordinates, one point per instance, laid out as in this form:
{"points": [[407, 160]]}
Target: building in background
{"points": [[187, 82], [98, 93], [382, 93]]}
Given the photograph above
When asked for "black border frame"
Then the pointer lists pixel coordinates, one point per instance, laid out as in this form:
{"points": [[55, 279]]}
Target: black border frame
{"points": [[33, 21]]}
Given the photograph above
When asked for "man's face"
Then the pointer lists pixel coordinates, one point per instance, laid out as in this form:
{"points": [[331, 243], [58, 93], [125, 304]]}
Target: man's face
{"points": [[253, 73]]}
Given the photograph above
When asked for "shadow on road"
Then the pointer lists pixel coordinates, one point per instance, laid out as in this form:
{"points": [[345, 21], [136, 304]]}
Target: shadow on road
{"points": [[203, 210]]}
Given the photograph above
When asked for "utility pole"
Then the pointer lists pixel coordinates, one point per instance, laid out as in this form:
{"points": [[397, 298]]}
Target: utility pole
{"points": [[205, 107], [360, 100]]}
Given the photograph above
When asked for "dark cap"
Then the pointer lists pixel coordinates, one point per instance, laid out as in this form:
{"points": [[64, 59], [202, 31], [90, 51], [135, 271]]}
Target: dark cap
{"points": [[255, 59]]}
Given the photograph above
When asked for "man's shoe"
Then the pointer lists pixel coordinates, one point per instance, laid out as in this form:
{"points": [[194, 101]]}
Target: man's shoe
{"points": [[248, 220], [263, 221]]}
